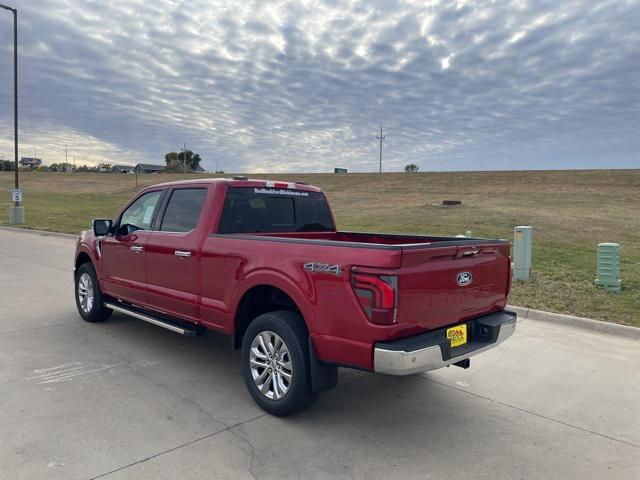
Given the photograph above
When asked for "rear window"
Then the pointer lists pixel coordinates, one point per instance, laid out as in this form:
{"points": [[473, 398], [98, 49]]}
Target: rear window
{"points": [[268, 210]]}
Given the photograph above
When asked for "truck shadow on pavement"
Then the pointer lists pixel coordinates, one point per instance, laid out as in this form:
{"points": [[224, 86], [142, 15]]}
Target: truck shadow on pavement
{"points": [[208, 364]]}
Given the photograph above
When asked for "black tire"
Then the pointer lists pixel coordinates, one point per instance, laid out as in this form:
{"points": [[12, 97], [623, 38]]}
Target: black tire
{"points": [[97, 311], [289, 326]]}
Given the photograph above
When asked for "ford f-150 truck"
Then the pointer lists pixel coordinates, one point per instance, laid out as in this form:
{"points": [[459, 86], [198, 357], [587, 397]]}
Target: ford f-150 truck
{"points": [[263, 262]]}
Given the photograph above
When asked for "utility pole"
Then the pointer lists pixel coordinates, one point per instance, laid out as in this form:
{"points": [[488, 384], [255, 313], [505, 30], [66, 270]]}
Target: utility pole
{"points": [[184, 158], [66, 156], [16, 212], [380, 139]]}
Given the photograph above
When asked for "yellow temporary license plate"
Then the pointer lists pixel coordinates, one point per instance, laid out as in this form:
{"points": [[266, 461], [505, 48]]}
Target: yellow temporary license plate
{"points": [[457, 335]]}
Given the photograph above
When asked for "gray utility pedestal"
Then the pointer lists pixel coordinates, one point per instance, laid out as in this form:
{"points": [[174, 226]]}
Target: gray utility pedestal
{"points": [[521, 252]]}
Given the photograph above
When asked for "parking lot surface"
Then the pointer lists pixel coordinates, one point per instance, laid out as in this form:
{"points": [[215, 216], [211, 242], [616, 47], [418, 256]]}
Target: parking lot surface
{"points": [[125, 399]]}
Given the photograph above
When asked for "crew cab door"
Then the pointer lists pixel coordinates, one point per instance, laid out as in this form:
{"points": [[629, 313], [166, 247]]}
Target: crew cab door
{"points": [[171, 254], [123, 253]]}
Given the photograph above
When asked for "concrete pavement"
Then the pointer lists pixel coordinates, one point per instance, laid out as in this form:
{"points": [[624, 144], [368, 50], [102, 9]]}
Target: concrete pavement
{"points": [[124, 399]]}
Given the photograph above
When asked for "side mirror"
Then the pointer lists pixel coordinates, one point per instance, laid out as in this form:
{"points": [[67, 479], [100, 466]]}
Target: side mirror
{"points": [[102, 226]]}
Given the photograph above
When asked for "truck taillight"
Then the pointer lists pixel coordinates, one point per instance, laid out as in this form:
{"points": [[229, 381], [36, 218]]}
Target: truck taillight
{"points": [[377, 295]]}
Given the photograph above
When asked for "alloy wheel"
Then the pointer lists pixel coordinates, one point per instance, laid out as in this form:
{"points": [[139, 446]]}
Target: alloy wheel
{"points": [[85, 292], [270, 364]]}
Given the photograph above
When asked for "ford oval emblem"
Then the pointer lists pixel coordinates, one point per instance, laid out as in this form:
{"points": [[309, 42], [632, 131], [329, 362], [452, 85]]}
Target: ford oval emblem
{"points": [[464, 278]]}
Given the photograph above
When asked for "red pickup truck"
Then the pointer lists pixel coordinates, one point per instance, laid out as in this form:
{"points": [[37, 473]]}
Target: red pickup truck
{"points": [[262, 262]]}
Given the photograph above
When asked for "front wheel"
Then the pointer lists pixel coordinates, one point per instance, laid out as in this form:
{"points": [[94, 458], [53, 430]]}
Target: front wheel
{"points": [[89, 299], [275, 363]]}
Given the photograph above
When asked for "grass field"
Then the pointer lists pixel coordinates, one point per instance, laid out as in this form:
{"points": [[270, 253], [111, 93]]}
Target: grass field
{"points": [[570, 211]]}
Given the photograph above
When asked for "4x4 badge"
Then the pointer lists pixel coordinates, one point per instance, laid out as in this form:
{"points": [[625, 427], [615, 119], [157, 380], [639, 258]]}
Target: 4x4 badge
{"points": [[314, 267]]}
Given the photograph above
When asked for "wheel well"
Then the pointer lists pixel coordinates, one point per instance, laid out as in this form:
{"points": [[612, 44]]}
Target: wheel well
{"points": [[82, 258], [256, 301]]}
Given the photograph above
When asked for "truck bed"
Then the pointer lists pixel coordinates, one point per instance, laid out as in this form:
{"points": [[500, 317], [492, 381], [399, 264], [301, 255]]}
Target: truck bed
{"points": [[377, 240], [427, 267]]}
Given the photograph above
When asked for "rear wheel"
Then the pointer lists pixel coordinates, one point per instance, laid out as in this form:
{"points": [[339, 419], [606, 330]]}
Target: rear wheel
{"points": [[275, 363], [89, 300]]}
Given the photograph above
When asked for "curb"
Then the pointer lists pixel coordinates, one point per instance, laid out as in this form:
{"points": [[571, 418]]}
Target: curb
{"points": [[600, 326], [42, 233]]}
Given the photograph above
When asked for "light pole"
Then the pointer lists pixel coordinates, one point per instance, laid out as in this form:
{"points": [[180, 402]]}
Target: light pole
{"points": [[16, 212]]}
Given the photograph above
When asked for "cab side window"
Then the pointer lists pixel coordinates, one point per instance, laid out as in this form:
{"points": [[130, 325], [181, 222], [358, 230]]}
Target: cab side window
{"points": [[183, 210], [139, 215]]}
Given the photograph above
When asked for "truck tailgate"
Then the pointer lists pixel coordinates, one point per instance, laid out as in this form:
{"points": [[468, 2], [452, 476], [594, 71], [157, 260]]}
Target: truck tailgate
{"points": [[444, 285]]}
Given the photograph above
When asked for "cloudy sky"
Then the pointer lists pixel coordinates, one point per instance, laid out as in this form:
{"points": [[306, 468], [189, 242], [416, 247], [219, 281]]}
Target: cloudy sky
{"points": [[282, 86]]}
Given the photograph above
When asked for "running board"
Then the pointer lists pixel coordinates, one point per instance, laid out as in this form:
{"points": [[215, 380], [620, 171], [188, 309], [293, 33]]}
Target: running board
{"points": [[182, 329]]}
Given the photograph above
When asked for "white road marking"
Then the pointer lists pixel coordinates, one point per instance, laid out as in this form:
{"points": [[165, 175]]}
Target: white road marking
{"points": [[70, 370], [67, 371], [50, 369]]}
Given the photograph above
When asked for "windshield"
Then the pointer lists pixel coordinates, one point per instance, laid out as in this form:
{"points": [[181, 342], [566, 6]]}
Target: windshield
{"points": [[272, 210]]}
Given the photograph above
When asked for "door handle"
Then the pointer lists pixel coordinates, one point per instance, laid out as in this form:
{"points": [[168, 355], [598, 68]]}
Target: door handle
{"points": [[182, 253], [137, 248]]}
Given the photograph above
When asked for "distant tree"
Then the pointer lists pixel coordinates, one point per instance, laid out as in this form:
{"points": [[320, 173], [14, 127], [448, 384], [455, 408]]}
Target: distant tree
{"points": [[60, 167], [6, 166], [221, 172], [171, 160], [176, 161], [411, 168], [104, 166], [43, 168]]}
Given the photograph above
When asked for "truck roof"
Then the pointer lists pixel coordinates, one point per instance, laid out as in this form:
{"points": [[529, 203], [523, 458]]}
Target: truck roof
{"points": [[244, 182]]}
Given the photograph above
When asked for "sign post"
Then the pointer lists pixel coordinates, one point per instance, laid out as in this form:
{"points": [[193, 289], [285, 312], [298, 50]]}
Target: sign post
{"points": [[16, 212]]}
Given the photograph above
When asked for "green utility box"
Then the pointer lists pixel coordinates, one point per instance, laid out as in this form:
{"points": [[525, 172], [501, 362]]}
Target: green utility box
{"points": [[521, 252], [608, 271]]}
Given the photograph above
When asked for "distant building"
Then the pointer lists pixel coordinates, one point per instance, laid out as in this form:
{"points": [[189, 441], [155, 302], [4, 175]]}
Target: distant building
{"points": [[30, 162], [339, 170], [149, 168], [122, 169]]}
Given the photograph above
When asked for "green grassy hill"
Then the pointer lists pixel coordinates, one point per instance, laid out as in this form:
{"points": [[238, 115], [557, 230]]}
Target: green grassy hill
{"points": [[570, 211]]}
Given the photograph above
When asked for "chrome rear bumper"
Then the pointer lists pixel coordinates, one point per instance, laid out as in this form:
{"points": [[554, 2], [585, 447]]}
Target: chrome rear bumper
{"points": [[432, 350]]}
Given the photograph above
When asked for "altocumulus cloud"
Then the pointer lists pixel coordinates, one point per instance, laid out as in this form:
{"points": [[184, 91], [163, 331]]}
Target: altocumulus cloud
{"points": [[301, 86]]}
